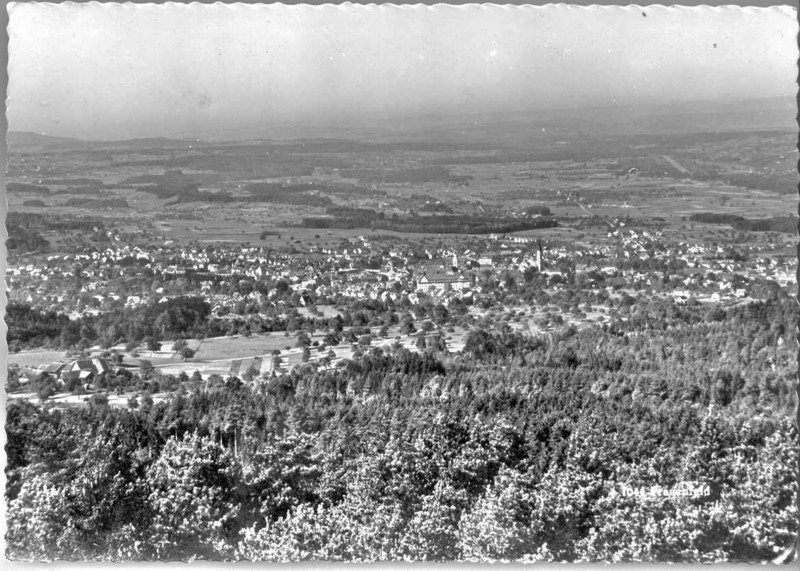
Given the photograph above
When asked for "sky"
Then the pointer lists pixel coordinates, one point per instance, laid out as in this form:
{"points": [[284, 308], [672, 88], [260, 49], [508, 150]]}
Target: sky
{"points": [[113, 71]]}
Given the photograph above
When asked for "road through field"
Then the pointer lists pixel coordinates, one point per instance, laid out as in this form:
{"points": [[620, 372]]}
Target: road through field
{"points": [[675, 164]]}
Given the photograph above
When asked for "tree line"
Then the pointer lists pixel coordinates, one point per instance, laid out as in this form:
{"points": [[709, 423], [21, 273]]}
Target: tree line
{"points": [[787, 224], [434, 224]]}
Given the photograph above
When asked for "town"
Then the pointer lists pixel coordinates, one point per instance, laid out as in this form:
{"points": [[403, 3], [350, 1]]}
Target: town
{"points": [[279, 306]]}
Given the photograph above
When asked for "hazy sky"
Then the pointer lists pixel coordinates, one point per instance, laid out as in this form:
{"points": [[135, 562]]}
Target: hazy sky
{"points": [[117, 71]]}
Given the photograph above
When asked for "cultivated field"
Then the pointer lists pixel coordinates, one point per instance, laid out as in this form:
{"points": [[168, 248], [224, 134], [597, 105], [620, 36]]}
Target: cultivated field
{"points": [[35, 358]]}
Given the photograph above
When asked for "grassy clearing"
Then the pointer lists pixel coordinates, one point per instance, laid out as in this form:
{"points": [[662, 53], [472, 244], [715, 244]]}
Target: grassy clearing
{"points": [[239, 347], [35, 357]]}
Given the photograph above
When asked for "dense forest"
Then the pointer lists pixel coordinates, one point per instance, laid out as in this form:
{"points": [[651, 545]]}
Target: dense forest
{"points": [[24, 187], [787, 224], [184, 188], [93, 203], [82, 182], [778, 182], [286, 194], [174, 318], [24, 234], [716, 218], [25, 229], [566, 447]]}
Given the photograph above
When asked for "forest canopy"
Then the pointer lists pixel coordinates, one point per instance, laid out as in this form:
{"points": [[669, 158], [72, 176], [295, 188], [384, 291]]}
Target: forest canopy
{"points": [[568, 447]]}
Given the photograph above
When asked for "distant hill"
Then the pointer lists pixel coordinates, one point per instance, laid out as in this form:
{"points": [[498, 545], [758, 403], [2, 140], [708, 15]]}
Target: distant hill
{"points": [[755, 115], [519, 127], [512, 128], [26, 139], [148, 143], [23, 139], [773, 114]]}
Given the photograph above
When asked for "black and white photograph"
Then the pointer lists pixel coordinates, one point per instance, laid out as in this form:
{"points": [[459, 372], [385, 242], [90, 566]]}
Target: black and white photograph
{"points": [[401, 283]]}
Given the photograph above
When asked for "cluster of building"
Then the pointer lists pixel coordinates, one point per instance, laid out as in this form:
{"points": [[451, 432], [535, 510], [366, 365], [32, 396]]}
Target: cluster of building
{"points": [[228, 276], [81, 371]]}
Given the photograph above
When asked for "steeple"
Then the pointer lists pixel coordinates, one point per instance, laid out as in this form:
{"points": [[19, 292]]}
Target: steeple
{"points": [[539, 256]]}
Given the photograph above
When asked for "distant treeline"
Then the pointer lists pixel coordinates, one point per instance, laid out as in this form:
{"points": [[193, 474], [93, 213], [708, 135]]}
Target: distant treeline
{"points": [[780, 183], [786, 224], [171, 183], [83, 182], [545, 155], [90, 189], [20, 187], [184, 188], [301, 194], [351, 218], [251, 165], [98, 202], [144, 179], [715, 218], [423, 174], [195, 195]]}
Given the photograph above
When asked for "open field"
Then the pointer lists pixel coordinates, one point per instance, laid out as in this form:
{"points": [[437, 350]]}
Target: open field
{"points": [[669, 177], [238, 347], [35, 358]]}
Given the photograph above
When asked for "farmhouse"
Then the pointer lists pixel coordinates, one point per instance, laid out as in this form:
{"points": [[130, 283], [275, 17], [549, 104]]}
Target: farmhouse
{"points": [[84, 369]]}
